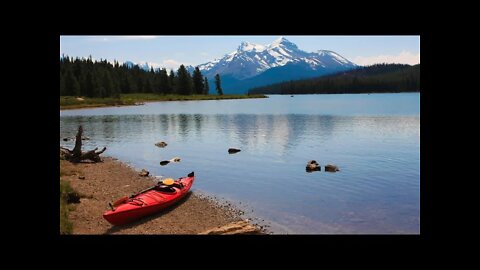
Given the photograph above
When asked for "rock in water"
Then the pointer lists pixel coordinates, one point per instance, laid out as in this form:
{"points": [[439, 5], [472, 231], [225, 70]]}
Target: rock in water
{"points": [[161, 144], [312, 165], [144, 173], [175, 159], [331, 168], [233, 150], [165, 162]]}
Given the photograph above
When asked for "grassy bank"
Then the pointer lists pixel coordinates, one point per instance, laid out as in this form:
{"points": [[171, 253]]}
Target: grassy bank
{"points": [[66, 225], [69, 102], [68, 197]]}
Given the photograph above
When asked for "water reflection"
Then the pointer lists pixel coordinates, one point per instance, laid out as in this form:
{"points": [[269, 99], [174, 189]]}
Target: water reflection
{"points": [[377, 189], [260, 132]]}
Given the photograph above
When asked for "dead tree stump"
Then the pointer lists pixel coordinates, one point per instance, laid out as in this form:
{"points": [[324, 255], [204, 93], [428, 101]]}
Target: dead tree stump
{"points": [[76, 155]]}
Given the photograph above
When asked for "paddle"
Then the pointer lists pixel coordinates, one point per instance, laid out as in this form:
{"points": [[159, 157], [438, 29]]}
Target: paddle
{"points": [[167, 182]]}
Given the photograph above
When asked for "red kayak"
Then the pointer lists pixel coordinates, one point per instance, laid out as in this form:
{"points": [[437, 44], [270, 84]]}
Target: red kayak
{"points": [[149, 201]]}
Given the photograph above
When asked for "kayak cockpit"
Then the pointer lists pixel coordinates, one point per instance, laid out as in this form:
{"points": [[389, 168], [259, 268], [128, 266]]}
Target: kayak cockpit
{"points": [[165, 189]]}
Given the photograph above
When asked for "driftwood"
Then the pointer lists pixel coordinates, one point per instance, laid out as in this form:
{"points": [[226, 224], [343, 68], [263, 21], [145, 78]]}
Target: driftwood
{"points": [[76, 155], [240, 227]]}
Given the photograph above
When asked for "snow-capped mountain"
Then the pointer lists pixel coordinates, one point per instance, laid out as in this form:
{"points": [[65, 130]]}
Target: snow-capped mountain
{"points": [[145, 66], [250, 60]]}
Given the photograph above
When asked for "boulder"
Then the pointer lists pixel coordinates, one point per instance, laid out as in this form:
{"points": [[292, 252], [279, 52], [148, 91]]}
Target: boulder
{"points": [[312, 165], [161, 144], [331, 168], [144, 173], [233, 150], [239, 227], [164, 162]]}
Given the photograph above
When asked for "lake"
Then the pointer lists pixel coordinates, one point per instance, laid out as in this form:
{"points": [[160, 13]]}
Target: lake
{"points": [[373, 138]]}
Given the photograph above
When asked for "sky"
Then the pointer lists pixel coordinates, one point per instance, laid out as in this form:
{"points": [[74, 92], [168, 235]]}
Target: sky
{"points": [[172, 51]]}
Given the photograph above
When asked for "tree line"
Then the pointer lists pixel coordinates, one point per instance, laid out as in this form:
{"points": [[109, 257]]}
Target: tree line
{"points": [[85, 77], [376, 78]]}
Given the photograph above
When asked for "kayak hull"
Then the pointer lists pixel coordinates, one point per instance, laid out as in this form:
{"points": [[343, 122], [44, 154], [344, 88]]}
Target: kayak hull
{"points": [[149, 202]]}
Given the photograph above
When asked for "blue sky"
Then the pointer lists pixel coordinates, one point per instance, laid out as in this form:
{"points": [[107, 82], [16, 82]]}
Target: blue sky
{"points": [[171, 51]]}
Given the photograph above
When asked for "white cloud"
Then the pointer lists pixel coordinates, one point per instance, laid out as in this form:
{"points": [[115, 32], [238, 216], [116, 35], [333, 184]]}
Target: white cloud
{"points": [[204, 54], [136, 37], [168, 64], [153, 64], [172, 64], [405, 57], [115, 38]]}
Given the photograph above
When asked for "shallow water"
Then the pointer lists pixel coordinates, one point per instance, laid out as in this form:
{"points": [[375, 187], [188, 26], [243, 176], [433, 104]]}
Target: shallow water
{"points": [[374, 139]]}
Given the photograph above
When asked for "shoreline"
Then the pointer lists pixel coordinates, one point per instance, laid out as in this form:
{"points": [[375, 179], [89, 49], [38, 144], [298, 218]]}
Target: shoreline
{"points": [[138, 101], [104, 182]]}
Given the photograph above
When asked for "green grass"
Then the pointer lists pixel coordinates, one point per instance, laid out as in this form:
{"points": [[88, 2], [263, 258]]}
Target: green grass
{"points": [[69, 102], [68, 198], [66, 225]]}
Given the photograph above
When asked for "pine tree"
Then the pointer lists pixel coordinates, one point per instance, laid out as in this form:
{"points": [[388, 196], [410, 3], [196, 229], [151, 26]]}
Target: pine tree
{"points": [[218, 85], [62, 85], [198, 87], [107, 83], [206, 89], [164, 85], [85, 77], [171, 80], [72, 88], [89, 84], [183, 81]]}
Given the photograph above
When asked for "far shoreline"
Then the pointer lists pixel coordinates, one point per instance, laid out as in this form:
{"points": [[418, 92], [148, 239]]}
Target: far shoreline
{"points": [[74, 103]]}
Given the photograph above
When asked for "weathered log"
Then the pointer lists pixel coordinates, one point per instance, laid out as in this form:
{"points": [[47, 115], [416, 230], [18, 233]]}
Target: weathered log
{"points": [[76, 155], [240, 227], [77, 150]]}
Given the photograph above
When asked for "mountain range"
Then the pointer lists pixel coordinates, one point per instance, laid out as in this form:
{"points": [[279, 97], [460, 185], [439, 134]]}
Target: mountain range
{"points": [[253, 65]]}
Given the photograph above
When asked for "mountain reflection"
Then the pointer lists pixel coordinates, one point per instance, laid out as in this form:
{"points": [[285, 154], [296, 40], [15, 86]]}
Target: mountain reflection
{"points": [[277, 133], [251, 131]]}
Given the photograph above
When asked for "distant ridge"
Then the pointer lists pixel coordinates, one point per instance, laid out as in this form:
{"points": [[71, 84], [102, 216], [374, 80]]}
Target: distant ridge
{"points": [[376, 78]]}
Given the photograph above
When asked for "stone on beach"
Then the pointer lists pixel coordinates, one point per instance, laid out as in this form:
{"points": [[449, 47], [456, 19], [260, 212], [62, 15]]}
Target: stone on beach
{"points": [[144, 173]]}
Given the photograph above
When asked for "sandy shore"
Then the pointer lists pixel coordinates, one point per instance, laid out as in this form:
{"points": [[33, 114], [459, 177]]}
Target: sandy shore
{"points": [[109, 180]]}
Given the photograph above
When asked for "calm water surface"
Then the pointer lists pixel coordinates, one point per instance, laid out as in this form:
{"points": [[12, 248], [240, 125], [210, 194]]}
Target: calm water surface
{"points": [[374, 139]]}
